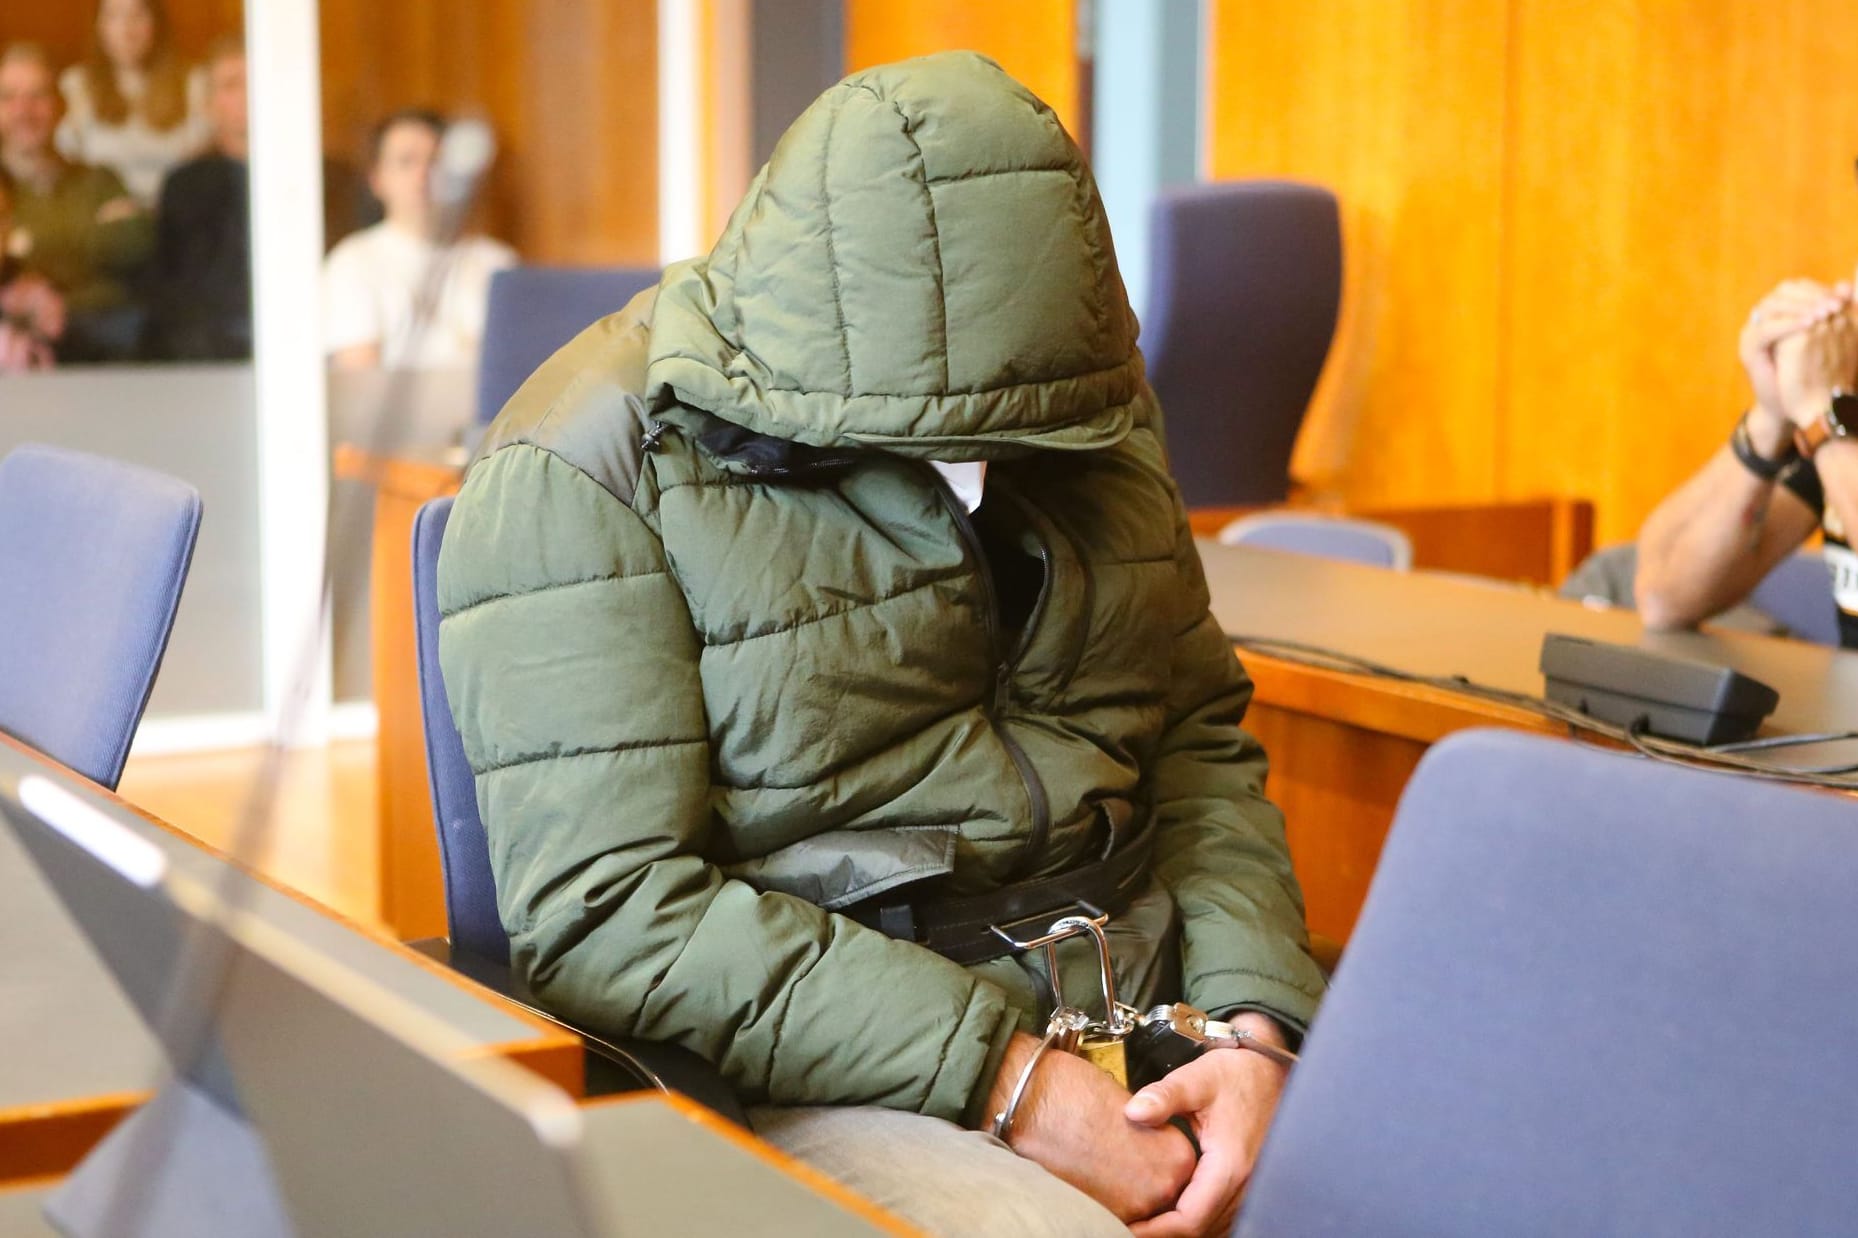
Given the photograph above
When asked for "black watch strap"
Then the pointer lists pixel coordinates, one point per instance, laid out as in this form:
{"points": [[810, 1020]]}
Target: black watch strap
{"points": [[1761, 466]]}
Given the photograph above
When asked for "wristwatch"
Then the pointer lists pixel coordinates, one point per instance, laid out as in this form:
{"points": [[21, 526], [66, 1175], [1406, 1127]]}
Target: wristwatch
{"points": [[1840, 420]]}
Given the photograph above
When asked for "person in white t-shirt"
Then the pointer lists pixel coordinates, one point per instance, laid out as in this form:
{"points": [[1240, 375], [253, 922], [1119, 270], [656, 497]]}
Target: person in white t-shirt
{"points": [[374, 279], [132, 106]]}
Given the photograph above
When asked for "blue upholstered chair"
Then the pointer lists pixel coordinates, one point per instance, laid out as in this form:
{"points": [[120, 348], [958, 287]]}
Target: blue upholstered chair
{"points": [[1588, 994], [1327, 537], [1798, 593], [93, 554], [464, 851], [1246, 285], [535, 310], [478, 946]]}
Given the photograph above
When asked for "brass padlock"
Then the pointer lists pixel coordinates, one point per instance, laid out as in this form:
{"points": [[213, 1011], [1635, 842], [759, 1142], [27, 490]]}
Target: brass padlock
{"points": [[1108, 1053]]}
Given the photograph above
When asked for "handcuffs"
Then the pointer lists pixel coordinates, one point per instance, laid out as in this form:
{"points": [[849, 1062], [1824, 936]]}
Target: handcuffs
{"points": [[1132, 1046]]}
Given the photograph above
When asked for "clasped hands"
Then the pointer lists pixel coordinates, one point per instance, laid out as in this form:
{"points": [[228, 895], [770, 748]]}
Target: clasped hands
{"points": [[1799, 345], [1120, 1150]]}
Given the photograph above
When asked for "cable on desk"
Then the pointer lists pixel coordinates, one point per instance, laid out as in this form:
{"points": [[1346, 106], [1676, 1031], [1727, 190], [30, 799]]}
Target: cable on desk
{"points": [[1722, 758]]}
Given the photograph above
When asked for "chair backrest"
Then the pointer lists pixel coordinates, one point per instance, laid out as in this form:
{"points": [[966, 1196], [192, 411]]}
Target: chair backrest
{"points": [[93, 555], [535, 310], [1246, 284], [1588, 994], [464, 850], [1796, 595], [1328, 537], [1798, 592]]}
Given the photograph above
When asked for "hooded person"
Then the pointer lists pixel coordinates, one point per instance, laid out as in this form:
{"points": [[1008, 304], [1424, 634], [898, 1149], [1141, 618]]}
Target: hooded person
{"points": [[833, 601]]}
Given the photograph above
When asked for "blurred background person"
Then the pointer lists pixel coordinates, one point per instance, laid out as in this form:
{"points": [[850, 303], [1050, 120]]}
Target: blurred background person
{"points": [[199, 287], [132, 106], [373, 280], [73, 225], [31, 311]]}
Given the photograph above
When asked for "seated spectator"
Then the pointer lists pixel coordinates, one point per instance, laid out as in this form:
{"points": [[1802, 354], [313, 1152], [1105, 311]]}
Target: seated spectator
{"points": [[200, 291], [132, 106], [373, 280], [74, 226], [1790, 468], [31, 311]]}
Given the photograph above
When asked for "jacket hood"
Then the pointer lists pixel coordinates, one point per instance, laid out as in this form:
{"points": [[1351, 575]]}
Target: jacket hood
{"points": [[923, 266]]}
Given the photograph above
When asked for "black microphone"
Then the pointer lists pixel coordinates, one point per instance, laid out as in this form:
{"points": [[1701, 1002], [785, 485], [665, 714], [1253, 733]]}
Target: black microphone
{"points": [[466, 151]]}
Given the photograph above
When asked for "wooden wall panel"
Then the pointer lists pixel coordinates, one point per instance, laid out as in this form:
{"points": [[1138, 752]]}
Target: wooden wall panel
{"points": [[570, 86], [63, 26], [1397, 105], [1670, 161], [1034, 40], [1558, 216]]}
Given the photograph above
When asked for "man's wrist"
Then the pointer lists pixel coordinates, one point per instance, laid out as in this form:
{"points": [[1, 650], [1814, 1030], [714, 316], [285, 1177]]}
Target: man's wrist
{"points": [[1271, 1027], [1764, 465], [1020, 1050], [1769, 433], [1261, 1027]]}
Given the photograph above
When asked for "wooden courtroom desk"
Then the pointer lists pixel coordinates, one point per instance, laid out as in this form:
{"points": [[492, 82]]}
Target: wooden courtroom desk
{"points": [[1538, 541], [412, 897], [1342, 746], [74, 1055]]}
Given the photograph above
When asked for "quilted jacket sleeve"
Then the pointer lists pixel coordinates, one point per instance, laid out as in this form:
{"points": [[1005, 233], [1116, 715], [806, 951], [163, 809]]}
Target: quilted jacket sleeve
{"points": [[572, 667], [1220, 843]]}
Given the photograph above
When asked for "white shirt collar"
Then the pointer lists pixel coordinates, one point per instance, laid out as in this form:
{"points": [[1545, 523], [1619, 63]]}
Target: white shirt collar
{"points": [[965, 479]]}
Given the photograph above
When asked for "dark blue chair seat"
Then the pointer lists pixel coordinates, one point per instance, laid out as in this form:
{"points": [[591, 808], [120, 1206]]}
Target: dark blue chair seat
{"points": [[535, 310], [1247, 282], [1588, 994], [1798, 593], [478, 946], [93, 556]]}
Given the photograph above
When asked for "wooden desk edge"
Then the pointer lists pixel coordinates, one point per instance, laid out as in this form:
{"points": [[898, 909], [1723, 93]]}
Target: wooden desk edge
{"points": [[802, 1172], [43, 1141], [403, 476], [1391, 706]]}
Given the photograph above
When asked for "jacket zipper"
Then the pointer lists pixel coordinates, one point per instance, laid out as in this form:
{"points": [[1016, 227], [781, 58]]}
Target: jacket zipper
{"points": [[1003, 669]]}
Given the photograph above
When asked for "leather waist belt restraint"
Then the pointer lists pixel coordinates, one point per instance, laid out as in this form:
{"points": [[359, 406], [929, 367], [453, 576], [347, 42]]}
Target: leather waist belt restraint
{"points": [[962, 928]]}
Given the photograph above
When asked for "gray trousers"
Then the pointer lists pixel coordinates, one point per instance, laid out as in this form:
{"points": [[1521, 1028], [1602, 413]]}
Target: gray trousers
{"points": [[947, 1181]]}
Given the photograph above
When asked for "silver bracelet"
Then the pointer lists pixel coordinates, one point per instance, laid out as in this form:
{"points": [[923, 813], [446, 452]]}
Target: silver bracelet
{"points": [[1003, 1121]]}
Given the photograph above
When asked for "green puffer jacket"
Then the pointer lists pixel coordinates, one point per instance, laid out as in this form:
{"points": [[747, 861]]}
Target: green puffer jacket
{"points": [[726, 656]]}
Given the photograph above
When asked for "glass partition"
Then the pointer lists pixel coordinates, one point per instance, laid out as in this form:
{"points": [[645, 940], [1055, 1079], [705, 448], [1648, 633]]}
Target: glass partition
{"points": [[125, 300]]}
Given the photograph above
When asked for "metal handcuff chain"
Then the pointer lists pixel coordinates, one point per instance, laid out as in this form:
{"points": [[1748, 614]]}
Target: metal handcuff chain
{"points": [[1162, 1039]]}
